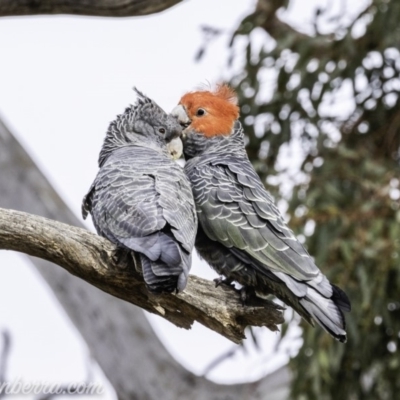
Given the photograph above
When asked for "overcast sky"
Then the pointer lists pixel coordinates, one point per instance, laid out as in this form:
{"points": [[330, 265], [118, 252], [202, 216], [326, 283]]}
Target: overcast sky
{"points": [[62, 80]]}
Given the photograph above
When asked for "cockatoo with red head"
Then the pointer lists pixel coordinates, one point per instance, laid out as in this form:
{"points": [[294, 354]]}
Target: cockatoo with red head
{"points": [[241, 233]]}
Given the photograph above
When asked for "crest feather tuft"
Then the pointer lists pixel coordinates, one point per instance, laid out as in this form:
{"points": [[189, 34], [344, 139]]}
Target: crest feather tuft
{"points": [[226, 92]]}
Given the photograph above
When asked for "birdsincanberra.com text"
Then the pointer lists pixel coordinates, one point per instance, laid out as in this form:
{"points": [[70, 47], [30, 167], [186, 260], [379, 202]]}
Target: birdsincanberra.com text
{"points": [[18, 386]]}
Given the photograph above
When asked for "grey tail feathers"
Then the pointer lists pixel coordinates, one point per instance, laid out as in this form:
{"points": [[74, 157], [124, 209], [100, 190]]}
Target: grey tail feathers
{"points": [[328, 312], [165, 265], [157, 281]]}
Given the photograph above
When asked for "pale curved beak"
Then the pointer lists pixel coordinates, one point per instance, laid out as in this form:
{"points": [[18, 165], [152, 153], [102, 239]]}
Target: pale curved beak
{"points": [[175, 148], [180, 114]]}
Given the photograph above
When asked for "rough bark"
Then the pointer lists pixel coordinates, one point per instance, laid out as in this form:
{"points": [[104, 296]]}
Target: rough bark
{"points": [[118, 335], [101, 8], [94, 259]]}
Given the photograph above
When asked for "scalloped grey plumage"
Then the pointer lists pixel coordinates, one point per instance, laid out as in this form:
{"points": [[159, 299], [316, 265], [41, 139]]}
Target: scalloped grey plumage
{"points": [[141, 199], [243, 236]]}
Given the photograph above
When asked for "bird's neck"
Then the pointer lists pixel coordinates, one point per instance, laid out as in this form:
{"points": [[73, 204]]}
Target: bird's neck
{"points": [[197, 145]]}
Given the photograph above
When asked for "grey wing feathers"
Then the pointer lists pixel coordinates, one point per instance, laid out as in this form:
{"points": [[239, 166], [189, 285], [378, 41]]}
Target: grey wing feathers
{"points": [[235, 210], [142, 201], [244, 216]]}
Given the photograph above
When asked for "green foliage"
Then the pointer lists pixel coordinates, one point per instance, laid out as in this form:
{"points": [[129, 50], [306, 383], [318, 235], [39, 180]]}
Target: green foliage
{"points": [[347, 192]]}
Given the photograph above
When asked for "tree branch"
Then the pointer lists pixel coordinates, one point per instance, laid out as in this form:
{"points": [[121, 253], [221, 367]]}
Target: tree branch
{"points": [[117, 333], [90, 257], [100, 8]]}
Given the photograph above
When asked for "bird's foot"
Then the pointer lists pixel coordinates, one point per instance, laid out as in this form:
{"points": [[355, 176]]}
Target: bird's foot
{"points": [[223, 281], [243, 295], [122, 258], [247, 295]]}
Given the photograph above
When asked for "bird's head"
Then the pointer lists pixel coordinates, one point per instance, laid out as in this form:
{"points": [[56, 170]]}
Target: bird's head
{"points": [[143, 124], [209, 113], [147, 118]]}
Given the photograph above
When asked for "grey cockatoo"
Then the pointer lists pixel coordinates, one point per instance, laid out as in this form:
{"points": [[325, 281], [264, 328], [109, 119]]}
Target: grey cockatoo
{"points": [[141, 199], [241, 233]]}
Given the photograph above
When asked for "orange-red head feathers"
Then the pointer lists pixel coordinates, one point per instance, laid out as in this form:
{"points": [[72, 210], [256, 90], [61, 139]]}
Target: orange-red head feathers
{"points": [[212, 112]]}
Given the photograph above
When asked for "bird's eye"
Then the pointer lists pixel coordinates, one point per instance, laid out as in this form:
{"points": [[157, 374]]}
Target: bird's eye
{"points": [[161, 130], [200, 112]]}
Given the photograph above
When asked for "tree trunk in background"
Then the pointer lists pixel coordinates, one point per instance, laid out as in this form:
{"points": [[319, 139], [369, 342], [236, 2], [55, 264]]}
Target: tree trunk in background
{"points": [[117, 333]]}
